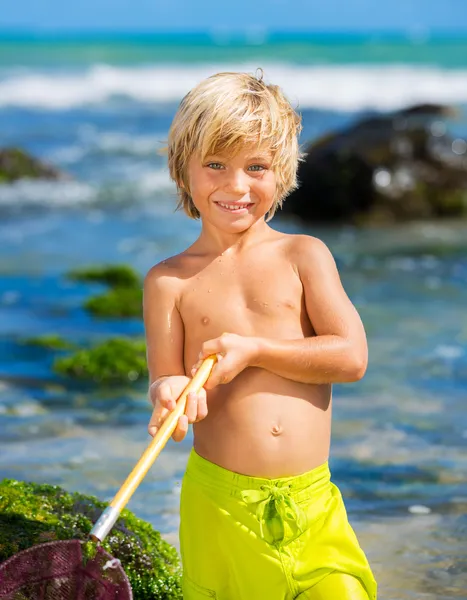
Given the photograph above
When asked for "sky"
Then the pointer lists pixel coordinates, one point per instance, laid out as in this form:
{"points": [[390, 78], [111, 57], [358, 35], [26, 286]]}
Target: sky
{"points": [[251, 15]]}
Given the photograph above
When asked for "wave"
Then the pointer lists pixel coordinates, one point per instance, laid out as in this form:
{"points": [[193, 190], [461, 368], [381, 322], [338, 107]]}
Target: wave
{"points": [[324, 87], [95, 143], [28, 192], [146, 188]]}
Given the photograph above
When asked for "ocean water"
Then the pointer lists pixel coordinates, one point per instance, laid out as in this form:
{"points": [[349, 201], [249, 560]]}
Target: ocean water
{"points": [[100, 109]]}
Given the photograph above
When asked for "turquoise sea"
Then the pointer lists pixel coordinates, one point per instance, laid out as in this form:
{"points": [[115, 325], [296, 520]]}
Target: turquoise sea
{"points": [[99, 107]]}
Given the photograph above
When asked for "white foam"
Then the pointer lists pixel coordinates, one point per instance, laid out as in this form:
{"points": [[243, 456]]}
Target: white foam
{"points": [[419, 509], [155, 181], [114, 141], [449, 352], [145, 185], [46, 193], [334, 87]]}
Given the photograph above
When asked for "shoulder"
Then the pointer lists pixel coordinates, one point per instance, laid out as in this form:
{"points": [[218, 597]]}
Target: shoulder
{"points": [[164, 278], [293, 243], [306, 251]]}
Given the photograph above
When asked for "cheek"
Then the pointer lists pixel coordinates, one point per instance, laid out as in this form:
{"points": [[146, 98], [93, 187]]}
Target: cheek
{"points": [[268, 185], [201, 187]]}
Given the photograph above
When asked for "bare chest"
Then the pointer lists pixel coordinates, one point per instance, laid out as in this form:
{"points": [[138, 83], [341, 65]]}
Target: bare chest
{"points": [[250, 299]]}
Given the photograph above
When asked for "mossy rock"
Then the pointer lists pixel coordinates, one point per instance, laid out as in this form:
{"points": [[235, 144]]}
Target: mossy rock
{"points": [[118, 302], [124, 299], [49, 342], [17, 164], [117, 360], [33, 513], [112, 275]]}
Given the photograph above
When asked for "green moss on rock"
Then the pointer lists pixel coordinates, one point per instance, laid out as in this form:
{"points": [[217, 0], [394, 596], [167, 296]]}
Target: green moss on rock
{"points": [[32, 513], [112, 275], [117, 302], [50, 342], [124, 299], [17, 164], [117, 360]]}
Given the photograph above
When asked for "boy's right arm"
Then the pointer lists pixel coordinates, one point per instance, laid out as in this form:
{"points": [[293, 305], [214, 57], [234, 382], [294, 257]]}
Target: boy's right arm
{"points": [[165, 351]]}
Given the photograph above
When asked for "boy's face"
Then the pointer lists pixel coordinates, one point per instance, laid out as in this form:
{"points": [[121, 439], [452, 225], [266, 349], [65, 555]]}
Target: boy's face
{"points": [[232, 193]]}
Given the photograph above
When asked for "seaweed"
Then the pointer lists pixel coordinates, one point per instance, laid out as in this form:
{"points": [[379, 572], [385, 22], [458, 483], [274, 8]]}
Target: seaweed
{"points": [[32, 513]]}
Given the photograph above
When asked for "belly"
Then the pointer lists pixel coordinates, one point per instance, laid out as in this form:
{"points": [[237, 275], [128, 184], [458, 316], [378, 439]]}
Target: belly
{"points": [[266, 426]]}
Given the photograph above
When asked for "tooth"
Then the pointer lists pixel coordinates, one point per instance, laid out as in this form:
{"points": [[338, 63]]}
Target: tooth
{"points": [[233, 206]]}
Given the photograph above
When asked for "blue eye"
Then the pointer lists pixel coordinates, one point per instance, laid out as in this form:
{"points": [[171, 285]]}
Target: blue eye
{"points": [[214, 166], [259, 167]]}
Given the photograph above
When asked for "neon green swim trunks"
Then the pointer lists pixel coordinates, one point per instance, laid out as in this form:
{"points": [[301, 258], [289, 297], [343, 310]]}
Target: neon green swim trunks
{"points": [[248, 538]]}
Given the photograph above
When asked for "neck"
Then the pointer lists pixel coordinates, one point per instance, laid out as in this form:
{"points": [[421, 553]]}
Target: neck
{"points": [[216, 241]]}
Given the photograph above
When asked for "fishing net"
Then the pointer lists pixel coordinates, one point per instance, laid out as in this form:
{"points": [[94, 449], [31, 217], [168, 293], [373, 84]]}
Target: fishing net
{"points": [[60, 571], [38, 516]]}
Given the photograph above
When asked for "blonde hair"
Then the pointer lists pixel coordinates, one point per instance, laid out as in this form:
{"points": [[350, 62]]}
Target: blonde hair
{"points": [[224, 113]]}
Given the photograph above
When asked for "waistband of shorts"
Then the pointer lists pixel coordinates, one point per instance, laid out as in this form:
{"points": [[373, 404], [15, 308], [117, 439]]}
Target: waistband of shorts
{"points": [[213, 476]]}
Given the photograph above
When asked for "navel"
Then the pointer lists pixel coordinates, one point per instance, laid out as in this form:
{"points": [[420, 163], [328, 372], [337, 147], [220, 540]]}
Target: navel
{"points": [[276, 430]]}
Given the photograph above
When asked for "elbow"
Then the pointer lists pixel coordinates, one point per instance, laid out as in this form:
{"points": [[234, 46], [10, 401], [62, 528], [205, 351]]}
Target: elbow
{"points": [[359, 370], [356, 367]]}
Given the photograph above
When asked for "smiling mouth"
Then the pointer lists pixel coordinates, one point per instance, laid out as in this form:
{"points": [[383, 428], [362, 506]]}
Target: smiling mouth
{"points": [[235, 208]]}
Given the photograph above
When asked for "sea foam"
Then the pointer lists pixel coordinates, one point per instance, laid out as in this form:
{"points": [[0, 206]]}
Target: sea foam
{"points": [[327, 87]]}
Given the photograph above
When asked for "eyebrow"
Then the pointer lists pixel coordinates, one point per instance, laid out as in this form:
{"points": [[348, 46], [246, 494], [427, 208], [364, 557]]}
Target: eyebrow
{"points": [[265, 157]]}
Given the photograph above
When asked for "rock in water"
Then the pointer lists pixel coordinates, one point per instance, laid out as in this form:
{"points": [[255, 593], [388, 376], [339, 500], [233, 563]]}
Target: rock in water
{"points": [[33, 513], [18, 164], [385, 168]]}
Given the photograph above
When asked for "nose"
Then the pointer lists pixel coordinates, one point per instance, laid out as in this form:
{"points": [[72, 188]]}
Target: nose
{"points": [[237, 182]]}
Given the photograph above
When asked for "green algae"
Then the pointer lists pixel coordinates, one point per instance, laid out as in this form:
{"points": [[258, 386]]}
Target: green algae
{"points": [[123, 302], [33, 513], [118, 360], [112, 275], [15, 164], [50, 342], [114, 361], [88, 550], [124, 299]]}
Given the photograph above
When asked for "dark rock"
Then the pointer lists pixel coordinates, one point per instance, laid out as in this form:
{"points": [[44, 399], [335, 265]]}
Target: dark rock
{"points": [[386, 168], [17, 164]]}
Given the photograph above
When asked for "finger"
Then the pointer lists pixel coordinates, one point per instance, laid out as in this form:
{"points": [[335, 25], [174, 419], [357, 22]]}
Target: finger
{"points": [[191, 407], [219, 375], [165, 396], [202, 405], [181, 429], [215, 346], [195, 367], [152, 394], [156, 420]]}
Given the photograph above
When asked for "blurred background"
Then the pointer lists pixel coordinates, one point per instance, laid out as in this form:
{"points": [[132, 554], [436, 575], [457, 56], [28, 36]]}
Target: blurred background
{"points": [[87, 93]]}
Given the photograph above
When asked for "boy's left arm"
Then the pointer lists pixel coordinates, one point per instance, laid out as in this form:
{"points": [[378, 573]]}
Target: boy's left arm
{"points": [[338, 352]]}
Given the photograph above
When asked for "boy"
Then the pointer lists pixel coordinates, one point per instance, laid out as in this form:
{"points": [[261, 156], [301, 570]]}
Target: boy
{"points": [[260, 519]]}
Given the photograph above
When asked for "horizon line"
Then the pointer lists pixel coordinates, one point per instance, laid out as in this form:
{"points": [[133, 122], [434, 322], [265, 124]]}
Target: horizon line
{"points": [[229, 35]]}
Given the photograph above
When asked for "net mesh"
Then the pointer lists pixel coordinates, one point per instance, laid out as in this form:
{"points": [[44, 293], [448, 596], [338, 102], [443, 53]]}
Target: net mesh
{"points": [[58, 571]]}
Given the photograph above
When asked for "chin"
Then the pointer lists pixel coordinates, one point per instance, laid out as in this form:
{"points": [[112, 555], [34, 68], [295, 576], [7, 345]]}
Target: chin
{"points": [[236, 226], [230, 225]]}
